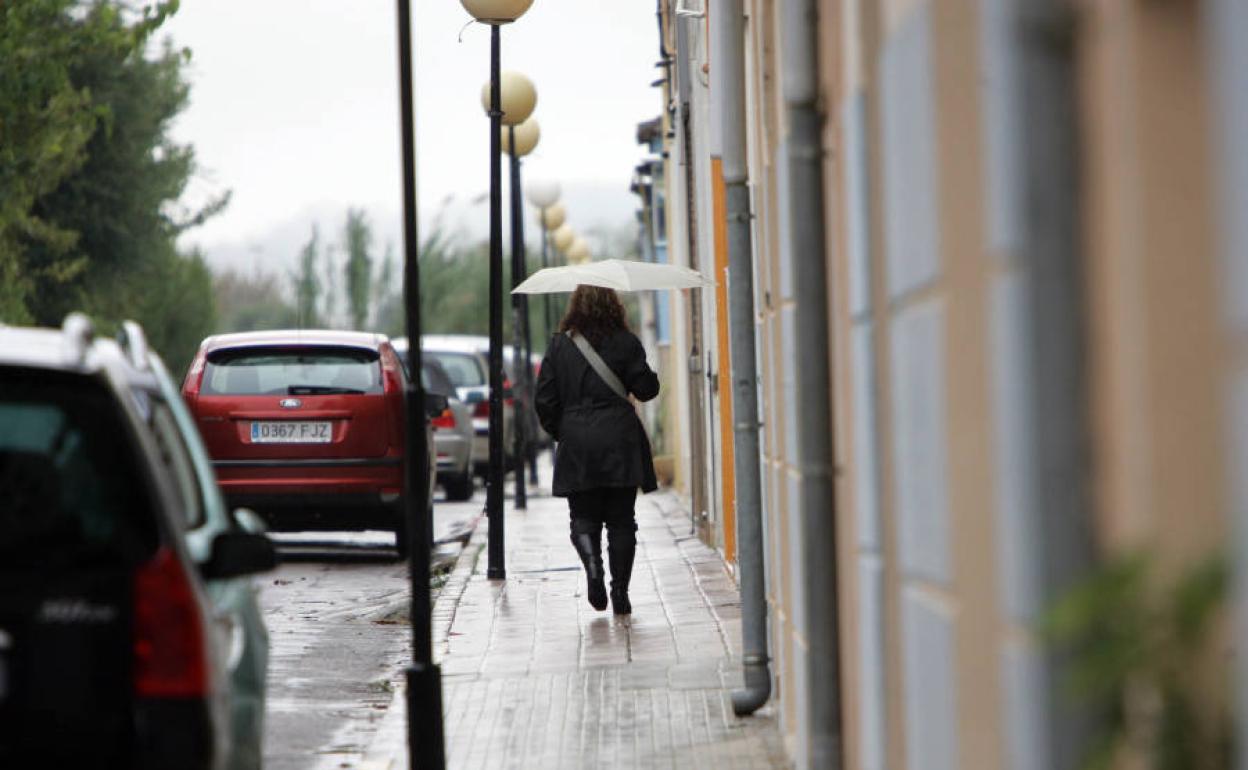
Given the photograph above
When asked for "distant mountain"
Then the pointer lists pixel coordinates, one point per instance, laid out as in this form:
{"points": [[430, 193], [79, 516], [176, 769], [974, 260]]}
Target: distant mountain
{"points": [[596, 210]]}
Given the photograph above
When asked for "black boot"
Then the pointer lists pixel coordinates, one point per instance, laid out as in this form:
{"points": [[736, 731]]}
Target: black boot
{"points": [[621, 549], [589, 547]]}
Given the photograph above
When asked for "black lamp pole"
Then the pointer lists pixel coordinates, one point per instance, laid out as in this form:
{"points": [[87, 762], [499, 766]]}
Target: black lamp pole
{"points": [[518, 388], [495, 569], [424, 678]]}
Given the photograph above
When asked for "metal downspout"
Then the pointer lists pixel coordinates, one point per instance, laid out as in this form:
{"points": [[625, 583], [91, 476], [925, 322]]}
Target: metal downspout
{"points": [[728, 86], [1227, 26], [1046, 34], [800, 78]]}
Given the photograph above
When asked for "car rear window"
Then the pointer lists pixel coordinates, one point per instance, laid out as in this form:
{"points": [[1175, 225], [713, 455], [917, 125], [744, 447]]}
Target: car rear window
{"points": [[70, 481], [464, 369], [435, 379], [291, 371]]}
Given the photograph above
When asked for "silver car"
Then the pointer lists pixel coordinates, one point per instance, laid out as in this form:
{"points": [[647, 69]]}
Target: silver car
{"points": [[453, 430], [464, 359]]}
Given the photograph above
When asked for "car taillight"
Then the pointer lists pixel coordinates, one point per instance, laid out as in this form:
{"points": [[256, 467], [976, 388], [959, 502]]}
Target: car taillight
{"points": [[390, 379], [392, 387], [444, 420], [194, 378], [510, 400], [170, 660], [481, 409]]}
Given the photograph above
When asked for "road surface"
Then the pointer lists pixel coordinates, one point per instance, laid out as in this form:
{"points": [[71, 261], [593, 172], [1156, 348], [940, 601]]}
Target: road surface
{"points": [[336, 611]]}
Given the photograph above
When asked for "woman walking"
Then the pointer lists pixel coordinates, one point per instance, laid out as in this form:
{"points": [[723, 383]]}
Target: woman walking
{"points": [[603, 455]]}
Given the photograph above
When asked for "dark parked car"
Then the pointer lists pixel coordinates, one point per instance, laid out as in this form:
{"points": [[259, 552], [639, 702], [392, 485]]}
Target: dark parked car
{"points": [[235, 609], [110, 652], [307, 427]]}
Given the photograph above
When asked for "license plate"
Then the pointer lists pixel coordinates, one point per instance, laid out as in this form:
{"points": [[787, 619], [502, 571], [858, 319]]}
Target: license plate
{"points": [[293, 432]]}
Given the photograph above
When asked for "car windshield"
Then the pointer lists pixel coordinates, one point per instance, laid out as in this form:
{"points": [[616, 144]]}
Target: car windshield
{"points": [[70, 482], [292, 371], [464, 369]]}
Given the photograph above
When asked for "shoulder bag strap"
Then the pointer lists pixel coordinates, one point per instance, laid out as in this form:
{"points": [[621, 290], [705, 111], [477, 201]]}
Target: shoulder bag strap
{"points": [[598, 365]]}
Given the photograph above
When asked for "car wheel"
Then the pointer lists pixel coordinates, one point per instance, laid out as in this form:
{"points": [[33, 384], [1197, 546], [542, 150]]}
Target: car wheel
{"points": [[460, 486]]}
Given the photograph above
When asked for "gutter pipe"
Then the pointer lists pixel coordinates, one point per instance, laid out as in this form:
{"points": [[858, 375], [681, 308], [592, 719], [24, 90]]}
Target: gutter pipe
{"points": [[728, 93], [800, 78]]}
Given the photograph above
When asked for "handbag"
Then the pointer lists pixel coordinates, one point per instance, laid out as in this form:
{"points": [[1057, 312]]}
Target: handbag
{"points": [[598, 365]]}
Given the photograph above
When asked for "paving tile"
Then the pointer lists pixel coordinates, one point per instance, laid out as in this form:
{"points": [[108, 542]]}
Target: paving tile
{"points": [[534, 677]]}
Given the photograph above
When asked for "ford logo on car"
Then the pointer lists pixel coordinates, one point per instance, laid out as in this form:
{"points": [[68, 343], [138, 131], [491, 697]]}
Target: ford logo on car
{"points": [[290, 403]]}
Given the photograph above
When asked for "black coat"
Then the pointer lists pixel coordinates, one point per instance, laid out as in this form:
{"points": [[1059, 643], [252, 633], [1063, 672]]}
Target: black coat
{"points": [[601, 440]]}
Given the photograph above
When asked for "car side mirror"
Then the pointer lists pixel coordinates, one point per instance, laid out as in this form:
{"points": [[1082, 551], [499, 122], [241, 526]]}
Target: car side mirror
{"points": [[435, 404], [239, 553]]}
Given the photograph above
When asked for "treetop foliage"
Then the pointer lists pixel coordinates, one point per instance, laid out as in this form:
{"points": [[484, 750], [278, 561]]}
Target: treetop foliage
{"points": [[89, 177]]}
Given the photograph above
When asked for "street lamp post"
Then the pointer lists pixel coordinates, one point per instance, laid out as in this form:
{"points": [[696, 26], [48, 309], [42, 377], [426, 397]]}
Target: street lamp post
{"points": [[496, 13], [425, 740], [563, 237], [545, 196], [520, 141], [578, 252]]}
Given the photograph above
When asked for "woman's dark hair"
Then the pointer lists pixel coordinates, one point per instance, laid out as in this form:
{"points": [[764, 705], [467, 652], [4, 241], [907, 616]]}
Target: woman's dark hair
{"points": [[595, 313]]}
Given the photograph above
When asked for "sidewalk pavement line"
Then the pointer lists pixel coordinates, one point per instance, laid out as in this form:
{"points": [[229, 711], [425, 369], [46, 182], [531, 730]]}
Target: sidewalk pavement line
{"points": [[389, 745], [441, 565], [678, 709], [457, 580], [388, 749]]}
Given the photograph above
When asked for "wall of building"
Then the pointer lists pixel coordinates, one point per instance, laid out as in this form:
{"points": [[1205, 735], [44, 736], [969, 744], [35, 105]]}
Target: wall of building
{"points": [[980, 387]]}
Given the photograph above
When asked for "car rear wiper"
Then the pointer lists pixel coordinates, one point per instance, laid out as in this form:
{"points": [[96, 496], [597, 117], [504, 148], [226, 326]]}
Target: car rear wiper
{"points": [[322, 390]]}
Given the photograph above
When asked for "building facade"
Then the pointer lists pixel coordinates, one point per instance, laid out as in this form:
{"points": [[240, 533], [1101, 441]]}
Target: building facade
{"points": [[1035, 247]]}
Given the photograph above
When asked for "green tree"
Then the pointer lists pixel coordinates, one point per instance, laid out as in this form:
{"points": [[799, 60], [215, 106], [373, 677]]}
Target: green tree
{"points": [[182, 313], [46, 120], [357, 239], [93, 223], [307, 283], [249, 302], [455, 283], [389, 316]]}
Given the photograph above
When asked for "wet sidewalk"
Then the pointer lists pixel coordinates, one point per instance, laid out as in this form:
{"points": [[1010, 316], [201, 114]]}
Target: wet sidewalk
{"points": [[535, 677]]}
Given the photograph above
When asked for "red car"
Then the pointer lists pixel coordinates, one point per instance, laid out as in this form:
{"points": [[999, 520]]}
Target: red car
{"points": [[305, 427]]}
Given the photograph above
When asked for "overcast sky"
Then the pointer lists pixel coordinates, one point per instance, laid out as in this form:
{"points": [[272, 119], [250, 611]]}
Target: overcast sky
{"points": [[294, 105]]}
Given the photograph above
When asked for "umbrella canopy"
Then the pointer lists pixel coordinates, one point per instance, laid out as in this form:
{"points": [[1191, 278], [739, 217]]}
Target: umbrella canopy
{"points": [[618, 274]]}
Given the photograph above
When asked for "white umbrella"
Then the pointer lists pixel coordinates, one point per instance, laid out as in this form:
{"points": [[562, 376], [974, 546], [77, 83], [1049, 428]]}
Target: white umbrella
{"points": [[618, 274]]}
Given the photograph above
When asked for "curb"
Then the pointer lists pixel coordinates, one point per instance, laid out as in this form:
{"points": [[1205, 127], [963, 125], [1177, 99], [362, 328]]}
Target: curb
{"points": [[445, 557], [388, 749]]}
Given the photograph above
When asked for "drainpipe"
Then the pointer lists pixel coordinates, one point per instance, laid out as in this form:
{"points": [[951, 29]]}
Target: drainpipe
{"points": [[728, 95], [1227, 25], [1047, 43], [800, 76]]}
